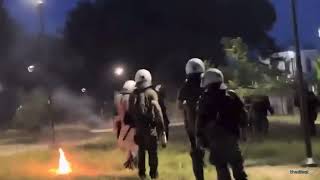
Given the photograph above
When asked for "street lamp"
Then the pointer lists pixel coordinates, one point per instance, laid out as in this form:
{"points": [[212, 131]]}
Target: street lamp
{"points": [[20, 107], [118, 71], [31, 68], [39, 4], [310, 162]]}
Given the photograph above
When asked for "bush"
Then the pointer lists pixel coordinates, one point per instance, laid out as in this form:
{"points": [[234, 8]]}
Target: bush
{"points": [[33, 111]]}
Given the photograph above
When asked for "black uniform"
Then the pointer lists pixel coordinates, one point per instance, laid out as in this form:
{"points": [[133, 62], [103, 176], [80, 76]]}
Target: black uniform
{"points": [[258, 112], [148, 122], [221, 115], [188, 99], [313, 104], [162, 96]]}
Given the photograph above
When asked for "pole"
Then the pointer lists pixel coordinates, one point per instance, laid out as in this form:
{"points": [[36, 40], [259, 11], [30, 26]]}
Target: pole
{"points": [[302, 93], [42, 51], [53, 135], [41, 19]]}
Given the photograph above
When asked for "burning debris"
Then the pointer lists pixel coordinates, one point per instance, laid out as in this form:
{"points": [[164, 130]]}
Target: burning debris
{"points": [[64, 165]]}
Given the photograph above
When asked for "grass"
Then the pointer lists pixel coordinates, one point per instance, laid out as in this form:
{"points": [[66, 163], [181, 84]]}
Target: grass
{"points": [[283, 118], [271, 159]]}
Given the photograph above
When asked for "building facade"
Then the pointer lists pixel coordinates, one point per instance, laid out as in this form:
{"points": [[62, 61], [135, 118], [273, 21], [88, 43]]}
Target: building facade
{"points": [[286, 62]]}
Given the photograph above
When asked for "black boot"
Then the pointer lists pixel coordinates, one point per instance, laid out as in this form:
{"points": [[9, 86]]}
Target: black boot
{"points": [[238, 171]]}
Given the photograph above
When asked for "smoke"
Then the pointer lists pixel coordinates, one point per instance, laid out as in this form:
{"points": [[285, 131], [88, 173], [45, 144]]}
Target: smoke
{"points": [[79, 108]]}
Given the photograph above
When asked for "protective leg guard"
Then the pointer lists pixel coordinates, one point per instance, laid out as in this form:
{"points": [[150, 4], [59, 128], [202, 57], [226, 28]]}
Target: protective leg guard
{"points": [[153, 163], [141, 162], [197, 163], [223, 172]]}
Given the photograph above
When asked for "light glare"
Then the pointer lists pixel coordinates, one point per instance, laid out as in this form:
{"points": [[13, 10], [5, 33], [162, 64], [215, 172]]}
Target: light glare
{"points": [[119, 71], [39, 2], [31, 68]]}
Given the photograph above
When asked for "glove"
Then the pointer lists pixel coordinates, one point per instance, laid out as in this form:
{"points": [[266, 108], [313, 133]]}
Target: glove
{"points": [[163, 140], [153, 132]]}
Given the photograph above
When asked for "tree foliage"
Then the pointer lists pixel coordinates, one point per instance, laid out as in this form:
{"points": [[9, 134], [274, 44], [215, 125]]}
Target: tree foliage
{"points": [[147, 33], [249, 76], [317, 68], [236, 48], [240, 70], [6, 31], [33, 111]]}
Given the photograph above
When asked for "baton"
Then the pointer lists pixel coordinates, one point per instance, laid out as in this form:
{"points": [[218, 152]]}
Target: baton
{"points": [[127, 133]]}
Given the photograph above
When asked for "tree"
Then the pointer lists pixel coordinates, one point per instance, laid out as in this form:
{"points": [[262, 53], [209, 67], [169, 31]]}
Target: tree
{"points": [[7, 94], [32, 113], [245, 74], [145, 33], [236, 48], [240, 70], [6, 31], [317, 68]]}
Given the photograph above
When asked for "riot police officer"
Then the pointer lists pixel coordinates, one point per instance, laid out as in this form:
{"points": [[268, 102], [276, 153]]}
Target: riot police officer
{"points": [[313, 104], [187, 99], [148, 119], [123, 124], [221, 117], [259, 107]]}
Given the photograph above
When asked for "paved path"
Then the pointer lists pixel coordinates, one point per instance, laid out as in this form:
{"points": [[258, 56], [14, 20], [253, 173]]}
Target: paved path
{"points": [[110, 129]]}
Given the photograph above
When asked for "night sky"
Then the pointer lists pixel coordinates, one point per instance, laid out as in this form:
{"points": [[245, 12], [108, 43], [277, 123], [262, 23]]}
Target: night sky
{"points": [[56, 10]]}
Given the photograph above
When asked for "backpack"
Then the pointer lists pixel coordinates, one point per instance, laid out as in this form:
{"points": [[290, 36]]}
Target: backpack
{"points": [[128, 119], [143, 109], [235, 111], [238, 108]]}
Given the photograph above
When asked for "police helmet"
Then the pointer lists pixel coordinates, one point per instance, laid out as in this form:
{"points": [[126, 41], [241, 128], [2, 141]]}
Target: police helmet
{"points": [[211, 76], [143, 78], [129, 86], [195, 65]]}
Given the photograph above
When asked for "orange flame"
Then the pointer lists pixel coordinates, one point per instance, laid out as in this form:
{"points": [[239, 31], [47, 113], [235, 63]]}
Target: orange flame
{"points": [[64, 165]]}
